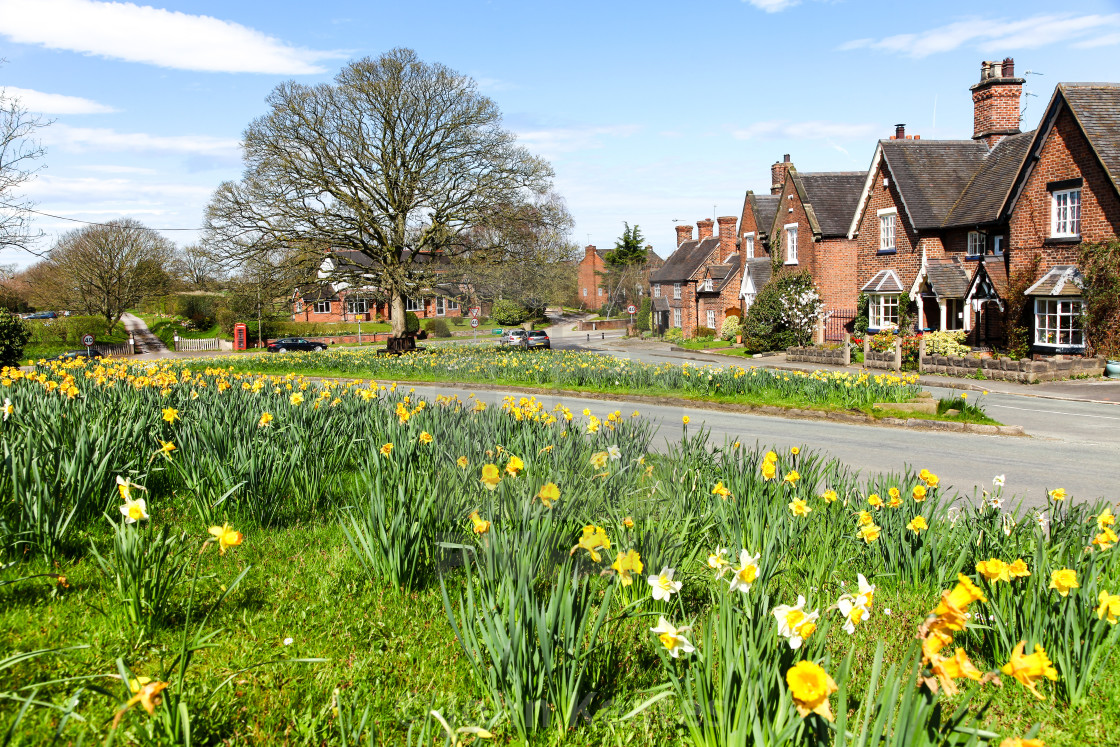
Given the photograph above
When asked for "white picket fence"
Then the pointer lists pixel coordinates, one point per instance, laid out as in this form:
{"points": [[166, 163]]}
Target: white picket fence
{"points": [[207, 343]]}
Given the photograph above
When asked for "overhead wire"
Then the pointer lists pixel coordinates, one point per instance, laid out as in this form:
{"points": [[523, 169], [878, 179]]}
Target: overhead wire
{"points": [[86, 222]]}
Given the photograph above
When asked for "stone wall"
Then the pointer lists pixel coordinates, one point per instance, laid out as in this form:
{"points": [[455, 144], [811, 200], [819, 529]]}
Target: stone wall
{"points": [[819, 356], [873, 359], [1005, 369]]}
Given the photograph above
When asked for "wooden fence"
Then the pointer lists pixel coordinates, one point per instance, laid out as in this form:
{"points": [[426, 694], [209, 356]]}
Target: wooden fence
{"points": [[204, 343]]}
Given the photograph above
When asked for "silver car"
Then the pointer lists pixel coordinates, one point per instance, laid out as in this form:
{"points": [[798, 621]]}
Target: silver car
{"points": [[515, 337]]}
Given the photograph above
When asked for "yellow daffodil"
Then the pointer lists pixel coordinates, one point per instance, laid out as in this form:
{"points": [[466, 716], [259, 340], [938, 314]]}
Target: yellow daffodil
{"points": [[769, 471], [514, 466], [864, 518], [599, 459], [917, 524], [829, 496], [425, 437], [919, 493], [685, 420], [549, 494], [628, 523], [148, 695], [165, 448], [721, 491], [170, 414], [627, 563], [125, 487], [462, 462], [491, 476], [1105, 539], [994, 570], [296, 399], [671, 638], [798, 507], [386, 449], [226, 537], [1105, 518], [593, 539], [1058, 494], [792, 477], [265, 420], [1018, 569], [479, 525], [1018, 741], [894, 493], [810, 686], [874, 501], [947, 669], [1108, 605], [869, 533], [1063, 580], [1028, 669], [794, 450]]}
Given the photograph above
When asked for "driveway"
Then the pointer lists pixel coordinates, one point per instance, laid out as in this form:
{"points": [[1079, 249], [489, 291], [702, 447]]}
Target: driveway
{"points": [[146, 342]]}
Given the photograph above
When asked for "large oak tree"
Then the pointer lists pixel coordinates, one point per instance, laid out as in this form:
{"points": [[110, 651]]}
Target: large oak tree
{"points": [[398, 160]]}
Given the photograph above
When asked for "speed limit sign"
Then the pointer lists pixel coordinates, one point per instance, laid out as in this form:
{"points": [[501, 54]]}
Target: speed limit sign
{"points": [[474, 322], [87, 340], [631, 309]]}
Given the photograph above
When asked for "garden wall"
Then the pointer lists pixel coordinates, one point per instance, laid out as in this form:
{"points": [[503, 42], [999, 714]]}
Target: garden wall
{"points": [[1005, 369], [837, 356], [597, 324], [888, 360]]}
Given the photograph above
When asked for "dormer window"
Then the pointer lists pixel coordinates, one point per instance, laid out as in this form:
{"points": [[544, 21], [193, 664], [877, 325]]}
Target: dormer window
{"points": [[706, 284], [977, 243]]}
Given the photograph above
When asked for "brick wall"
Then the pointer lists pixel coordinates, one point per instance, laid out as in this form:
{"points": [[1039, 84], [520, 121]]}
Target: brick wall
{"points": [[836, 273], [907, 258], [588, 271], [747, 225]]}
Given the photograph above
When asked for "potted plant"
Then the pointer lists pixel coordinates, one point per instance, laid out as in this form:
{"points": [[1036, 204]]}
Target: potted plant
{"points": [[1112, 369]]}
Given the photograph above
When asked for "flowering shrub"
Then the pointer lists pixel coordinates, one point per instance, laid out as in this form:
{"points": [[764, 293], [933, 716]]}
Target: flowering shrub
{"points": [[730, 328], [946, 343]]}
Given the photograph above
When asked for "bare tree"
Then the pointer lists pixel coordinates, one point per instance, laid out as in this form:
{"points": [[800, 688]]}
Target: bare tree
{"points": [[195, 268], [18, 153], [397, 160], [104, 269]]}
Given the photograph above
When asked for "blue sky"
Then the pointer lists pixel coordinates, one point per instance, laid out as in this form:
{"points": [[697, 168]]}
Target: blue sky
{"points": [[650, 112]]}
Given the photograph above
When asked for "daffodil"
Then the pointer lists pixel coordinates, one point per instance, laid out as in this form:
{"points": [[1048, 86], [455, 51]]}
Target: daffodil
{"points": [[462, 462], [718, 561], [720, 490], [869, 533], [165, 448], [549, 494], [478, 524], [792, 477], [1108, 605], [1062, 580], [593, 539], [9, 408], [875, 501], [1018, 569], [917, 524], [148, 695], [810, 686], [1058, 494], [1105, 539], [425, 437], [386, 449], [852, 612], [614, 453], [514, 466], [794, 623], [746, 574], [949, 668], [599, 459], [226, 537], [628, 522], [769, 471], [994, 570], [125, 488], [672, 639], [999, 481], [1105, 518], [829, 496], [685, 420], [296, 399], [491, 476], [663, 584], [134, 510], [170, 414], [1028, 669], [794, 450], [919, 493], [799, 507], [627, 563]]}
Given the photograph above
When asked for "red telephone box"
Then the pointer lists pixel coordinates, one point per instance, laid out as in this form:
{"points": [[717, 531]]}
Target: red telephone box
{"points": [[240, 337]]}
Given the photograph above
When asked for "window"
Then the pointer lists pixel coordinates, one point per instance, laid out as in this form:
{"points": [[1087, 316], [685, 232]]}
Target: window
{"points": [[711, 320], [414, 304], [585, 293], [882, 312], [676, 317], [322, 307], [299, 307], [441, 306], [748, 245], [657, 291], [997, 245], [976, 244], [706, 285], [1066, 213], [600, 291], [677, 292], [954, 313], [886, 230], [1058, 322], [357, 306], [791, 244], [452, 305]]}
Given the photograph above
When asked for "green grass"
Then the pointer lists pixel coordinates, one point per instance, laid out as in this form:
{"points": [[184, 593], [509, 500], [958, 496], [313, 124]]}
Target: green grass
{"points": [[52, 337], [704, 344]]}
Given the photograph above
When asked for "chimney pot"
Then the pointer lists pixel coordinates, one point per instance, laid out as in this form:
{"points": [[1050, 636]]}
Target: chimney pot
{"points": [[900, 131], [778, 175], [704, 228], [995, 101], [785, 158], [1008, 67], [684, 233]]}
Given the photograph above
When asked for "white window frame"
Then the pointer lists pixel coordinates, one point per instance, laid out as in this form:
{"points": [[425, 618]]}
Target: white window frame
{"points": [[882, 311], [585, 293], [706, 284], [1065, 213], [748, 245], [997, 246], [322, 307], [977, 244], [711, 319], [676, 291], [955, 309], [791, 243], [452, 304], [441, 306], [1058, 322], [657, 291], [357, 305], [677, 318], [600, 290], [414, 305], [888, 230]]}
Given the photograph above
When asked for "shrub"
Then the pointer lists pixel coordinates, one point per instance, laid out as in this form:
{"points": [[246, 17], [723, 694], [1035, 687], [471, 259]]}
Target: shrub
{"points": [[201, 310], [674, 334], [644, 314], [783, 313], [946, 343], [704, 333], [509, 313], [411, 323], [730, 327], [14, 335], [458, 321], [437, 328]]}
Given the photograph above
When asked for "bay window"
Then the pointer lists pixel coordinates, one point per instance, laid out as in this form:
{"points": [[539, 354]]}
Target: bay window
{"points": [[882, 312], [1058, 322]]}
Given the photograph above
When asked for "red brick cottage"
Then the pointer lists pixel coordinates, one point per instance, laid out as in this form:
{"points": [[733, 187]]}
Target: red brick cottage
{"points": [[590, 291], [700, 281], [754, 242]]}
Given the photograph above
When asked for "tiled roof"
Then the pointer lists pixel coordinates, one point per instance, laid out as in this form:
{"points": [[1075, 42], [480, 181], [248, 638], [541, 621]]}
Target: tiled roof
{"points": [[930, 175], [684, 262], [760, 270], [947, 278], [834, 197], [1097, 108], [982, 199], [989, 281], [1063, 280], [661, 304], [765, 208], [718, 272], [884, 281], [317, 292]]}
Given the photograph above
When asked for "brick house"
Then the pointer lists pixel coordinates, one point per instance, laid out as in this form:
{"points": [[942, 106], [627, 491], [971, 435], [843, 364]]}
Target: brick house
{"points": [[341, 301], [810, 225], [591, 292], [948, 224], [679, 285], [754, 241]]}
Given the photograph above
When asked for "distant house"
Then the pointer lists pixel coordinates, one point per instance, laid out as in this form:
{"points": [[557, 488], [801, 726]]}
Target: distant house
{"points": [[591, 290], [754, 239], [701, 280]]}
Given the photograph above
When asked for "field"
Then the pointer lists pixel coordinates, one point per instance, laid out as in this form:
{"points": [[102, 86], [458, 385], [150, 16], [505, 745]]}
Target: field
{"points": [[213, 556]]}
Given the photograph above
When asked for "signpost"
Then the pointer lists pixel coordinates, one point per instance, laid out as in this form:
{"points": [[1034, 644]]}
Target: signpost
{"points": [[474, 325], [631, 310], [88, 341]]}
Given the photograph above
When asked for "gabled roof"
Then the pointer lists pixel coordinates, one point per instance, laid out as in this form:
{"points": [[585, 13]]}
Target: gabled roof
{"points": [[884, 281], [1062, 280], [1096, 106], [317, 292], [759, 270], [947, 278], [685, 261], [989, 282], [930, 175], [764, 208], [660, 303], [833, 196], [984, 197]]}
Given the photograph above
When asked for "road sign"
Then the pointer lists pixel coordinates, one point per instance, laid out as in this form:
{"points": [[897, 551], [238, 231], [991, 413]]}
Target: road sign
{"points": [[474, 322], [475, 311], [631, 309], [87, 340]]}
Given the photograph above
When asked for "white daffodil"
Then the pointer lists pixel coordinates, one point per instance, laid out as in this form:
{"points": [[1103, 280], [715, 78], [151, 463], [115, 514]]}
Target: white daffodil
{"points": [[9, 408], [996, 502], [126, 486], [614, 453], [663, 584], [134, 510], [746, 573], [866, 592], [671, 638], [794, 623], [718, 561], [852, 612], [999, 480]]}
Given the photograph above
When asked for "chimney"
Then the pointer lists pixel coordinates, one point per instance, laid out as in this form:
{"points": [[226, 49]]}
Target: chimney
{"points": [[684, 233], [778, 175], [588, 250], [726, 237], [900, 131], [995, 101], [704, 228]]}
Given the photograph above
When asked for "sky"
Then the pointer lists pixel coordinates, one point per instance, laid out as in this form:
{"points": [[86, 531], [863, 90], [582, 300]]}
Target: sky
{"points": [[651, 113]]}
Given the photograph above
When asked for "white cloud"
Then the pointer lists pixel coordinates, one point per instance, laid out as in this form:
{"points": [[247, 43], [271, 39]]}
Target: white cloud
{"points": [[94, 193], [1000, 35], [54, 103], [84, 139], [812, 130], [112, 168], [550, 141], [772, 6], [154, 36]]}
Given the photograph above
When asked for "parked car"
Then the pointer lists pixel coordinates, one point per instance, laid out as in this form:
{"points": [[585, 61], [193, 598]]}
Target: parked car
{"points": [[513, 337], [538, 338], [42, 315], [72, 354], [285, 344]]}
